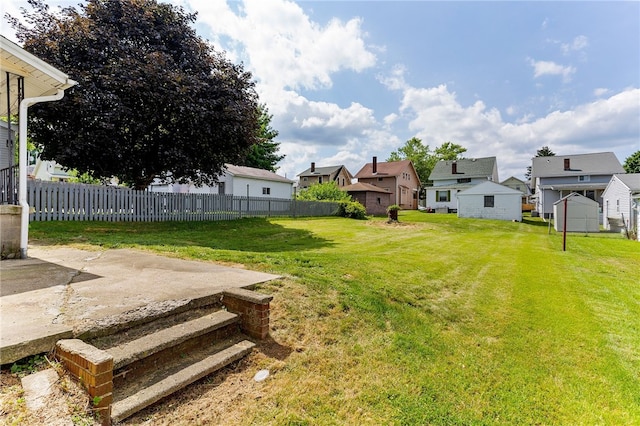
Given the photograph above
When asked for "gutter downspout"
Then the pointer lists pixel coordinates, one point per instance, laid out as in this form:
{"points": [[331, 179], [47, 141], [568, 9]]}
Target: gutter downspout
{"points": [[24, 105]]}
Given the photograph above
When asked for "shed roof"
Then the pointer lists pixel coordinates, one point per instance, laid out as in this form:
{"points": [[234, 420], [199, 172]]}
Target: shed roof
{"points": [[466, 167], [253, 173], [40, 78], [599, 163], [364, 187], [574, 197], [490, 188]]}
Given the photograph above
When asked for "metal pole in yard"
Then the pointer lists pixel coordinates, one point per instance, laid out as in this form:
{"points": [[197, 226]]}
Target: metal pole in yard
{"points": [[564, 227]]}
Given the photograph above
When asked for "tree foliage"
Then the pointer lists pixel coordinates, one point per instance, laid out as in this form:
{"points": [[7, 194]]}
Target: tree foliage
{"points": [[152, 100], [423, 159], [632, 163], [545, 151], [264, 154], [327, 191]]}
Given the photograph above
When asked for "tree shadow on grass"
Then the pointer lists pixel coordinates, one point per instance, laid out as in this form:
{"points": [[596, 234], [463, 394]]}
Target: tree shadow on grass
{"points": [[255, 235], [534, 222]]}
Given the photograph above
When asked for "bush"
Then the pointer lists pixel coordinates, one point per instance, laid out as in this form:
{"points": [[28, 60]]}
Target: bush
{"points": [[352, 209], [328, 191]]}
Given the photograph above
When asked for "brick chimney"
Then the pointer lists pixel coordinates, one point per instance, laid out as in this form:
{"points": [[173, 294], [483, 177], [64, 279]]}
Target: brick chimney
{"points": [[454, 168], [375, 165], [313, 167], [567, 164]]}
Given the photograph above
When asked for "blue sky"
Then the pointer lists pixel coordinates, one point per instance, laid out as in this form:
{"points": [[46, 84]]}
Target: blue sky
{"points": [[348, 80]]}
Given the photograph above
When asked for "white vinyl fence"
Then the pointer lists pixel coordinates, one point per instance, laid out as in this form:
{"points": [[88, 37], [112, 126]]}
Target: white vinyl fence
{"points": [[68, 201]]}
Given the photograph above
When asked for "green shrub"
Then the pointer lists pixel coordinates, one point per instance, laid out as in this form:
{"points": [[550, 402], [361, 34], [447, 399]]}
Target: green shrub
{"points": [[328, 191], [352, 209]]}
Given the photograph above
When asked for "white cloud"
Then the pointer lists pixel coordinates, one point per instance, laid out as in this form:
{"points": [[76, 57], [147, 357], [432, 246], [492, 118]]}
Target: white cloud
{"points": [[436, 116], [601, 91], [579, 43], [542, 68], [284, 48]]}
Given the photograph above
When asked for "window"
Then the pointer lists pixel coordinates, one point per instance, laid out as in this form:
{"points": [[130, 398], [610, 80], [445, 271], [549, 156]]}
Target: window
{"points": [[464, 180], [617, 205], [442, 196], [488, 200], [379, 179], [584, 178], [304, 179], [319, 179], [266, 191], [590, 194], [379, 200]]}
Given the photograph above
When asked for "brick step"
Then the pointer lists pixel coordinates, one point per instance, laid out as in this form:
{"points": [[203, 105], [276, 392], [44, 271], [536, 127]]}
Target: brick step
{"points": [[159, 340], [128, 400]]}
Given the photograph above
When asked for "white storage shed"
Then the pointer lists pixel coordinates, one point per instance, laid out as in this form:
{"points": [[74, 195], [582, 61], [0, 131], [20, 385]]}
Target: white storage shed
{"points": [[490, 200], [582, 214]]}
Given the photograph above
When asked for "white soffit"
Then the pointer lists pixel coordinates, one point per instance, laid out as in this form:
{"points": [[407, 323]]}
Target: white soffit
{"points": [[40, 78]]}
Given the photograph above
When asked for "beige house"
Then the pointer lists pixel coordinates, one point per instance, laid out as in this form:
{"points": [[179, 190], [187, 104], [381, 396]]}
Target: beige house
{"points": [[338, 174], [397, 177]]}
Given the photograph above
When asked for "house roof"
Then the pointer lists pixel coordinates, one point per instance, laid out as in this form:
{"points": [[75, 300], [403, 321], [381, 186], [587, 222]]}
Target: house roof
{"points": [[325, 171], [385, 168], [631, 180], [364, 187], [40, 78], [600, 163], [513, 178], [466, 168], [489, 188], [253, 173]]}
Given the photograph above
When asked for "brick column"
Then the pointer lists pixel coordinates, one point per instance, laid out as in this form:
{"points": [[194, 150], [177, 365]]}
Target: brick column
{"points": [[252, 308], [94, 368]]}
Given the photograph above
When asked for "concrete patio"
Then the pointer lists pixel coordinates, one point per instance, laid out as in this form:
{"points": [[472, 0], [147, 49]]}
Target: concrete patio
{"points": [[63, 292]]}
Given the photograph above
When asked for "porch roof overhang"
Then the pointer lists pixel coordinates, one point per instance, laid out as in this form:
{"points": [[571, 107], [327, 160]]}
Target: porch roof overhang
{"points": [[574, 186], [40, 78], [41, 82]]}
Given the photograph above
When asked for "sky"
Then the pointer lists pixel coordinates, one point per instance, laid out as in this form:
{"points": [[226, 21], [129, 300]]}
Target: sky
{"points": [[349, 80]]}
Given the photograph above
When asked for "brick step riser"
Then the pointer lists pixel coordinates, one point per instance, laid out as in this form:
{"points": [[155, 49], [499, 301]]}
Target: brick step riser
{"points": [[130, 373]]}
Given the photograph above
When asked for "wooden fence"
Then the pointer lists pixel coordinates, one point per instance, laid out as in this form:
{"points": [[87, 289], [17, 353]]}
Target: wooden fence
{"points": [[64, 201]]}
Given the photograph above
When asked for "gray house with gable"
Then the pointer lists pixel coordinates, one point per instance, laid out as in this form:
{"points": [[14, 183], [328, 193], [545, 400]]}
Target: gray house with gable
{"points": [[553, 178], [452, 176]]}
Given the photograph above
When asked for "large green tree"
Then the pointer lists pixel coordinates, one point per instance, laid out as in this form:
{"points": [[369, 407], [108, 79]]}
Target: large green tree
{"points": [[632, 163], [264, 154], [423, 158], [153, 99]]}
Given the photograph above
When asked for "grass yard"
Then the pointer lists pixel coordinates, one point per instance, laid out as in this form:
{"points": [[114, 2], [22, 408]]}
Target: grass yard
{"points": [[436, 320]]}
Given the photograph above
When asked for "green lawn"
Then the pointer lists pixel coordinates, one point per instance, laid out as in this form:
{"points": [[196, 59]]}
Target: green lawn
{"points": [[436, 320]]}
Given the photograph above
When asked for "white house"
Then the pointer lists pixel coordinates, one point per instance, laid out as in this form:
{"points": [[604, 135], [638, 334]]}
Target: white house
{"points": [[452, 176], [619, 202], [552, 178], [582, 214], [490, 200], [239, 181], [48, 171]]}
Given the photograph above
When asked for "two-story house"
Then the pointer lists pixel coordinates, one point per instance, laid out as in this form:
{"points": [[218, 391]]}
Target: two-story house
{"points": [[452, 176], [553, 178], [338, 174], [397, 177]]}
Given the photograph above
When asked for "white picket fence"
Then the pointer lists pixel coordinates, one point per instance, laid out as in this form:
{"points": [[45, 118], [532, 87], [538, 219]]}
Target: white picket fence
{"points": [[50, 201]]}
